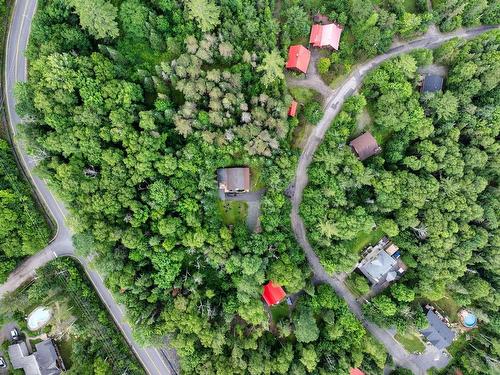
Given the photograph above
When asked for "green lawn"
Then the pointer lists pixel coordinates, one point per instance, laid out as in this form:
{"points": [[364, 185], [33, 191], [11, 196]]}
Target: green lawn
{"points": [[65, 348], [449, 306], [256, 181], [300, 135], [411, 342], [233, 212], [364, 239], [410, 6], [303, 95], [280, 311]]}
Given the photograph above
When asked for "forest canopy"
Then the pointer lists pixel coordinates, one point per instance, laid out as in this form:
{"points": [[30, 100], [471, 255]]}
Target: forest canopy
{"points": [[23, 229], [135, 111]]}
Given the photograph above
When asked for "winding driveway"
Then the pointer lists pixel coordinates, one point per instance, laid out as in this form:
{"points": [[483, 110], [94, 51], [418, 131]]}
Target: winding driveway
{"points": [[156, 361], [334, 99]]}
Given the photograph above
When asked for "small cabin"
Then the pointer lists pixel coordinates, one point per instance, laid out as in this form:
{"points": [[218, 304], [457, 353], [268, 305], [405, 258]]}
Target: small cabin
{"points": [[298, 58], [365, 146]]}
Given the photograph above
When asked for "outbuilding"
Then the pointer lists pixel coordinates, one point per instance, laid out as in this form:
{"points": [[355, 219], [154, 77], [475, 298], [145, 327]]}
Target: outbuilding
{"points": [[273, 293], [292, 110], [365, 146], [432, 83], [298, 58]]}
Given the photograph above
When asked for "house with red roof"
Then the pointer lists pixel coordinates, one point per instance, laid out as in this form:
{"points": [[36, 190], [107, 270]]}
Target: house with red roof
{"points": [[355, 371], [325, 36], [298, 58], [273, 293], [292, 111]]}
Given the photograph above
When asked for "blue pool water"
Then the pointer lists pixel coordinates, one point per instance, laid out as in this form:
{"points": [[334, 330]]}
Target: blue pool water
{"points": [[470, 320]]}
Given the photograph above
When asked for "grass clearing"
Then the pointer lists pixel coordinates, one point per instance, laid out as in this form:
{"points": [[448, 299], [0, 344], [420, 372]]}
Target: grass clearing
{"points": [[411, 342], [233, 212], [300, 135], [410, 6], [363, 239], [279, 312], [256, 180], [449, 306], [303, 95]]}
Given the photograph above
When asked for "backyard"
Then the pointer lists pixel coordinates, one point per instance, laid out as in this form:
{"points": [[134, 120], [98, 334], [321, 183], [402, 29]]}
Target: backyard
{"points": [[411, 341], [79, 323], [233, 212]]}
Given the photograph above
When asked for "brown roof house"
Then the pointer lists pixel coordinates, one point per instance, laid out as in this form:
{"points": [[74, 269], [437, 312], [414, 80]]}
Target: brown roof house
{"points": [[234, 180], [365, 146]]}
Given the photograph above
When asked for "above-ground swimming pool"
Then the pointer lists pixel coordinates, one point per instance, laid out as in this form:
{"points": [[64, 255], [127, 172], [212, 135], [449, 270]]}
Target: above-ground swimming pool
{"points": [[470, 320], [38, 318]]}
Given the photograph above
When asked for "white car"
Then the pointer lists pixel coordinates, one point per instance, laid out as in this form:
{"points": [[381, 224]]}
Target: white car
{"points": [[3, 364], [14, 334]]}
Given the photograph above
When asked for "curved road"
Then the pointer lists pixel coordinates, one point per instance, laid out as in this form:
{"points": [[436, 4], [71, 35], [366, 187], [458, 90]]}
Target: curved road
{"points": [[334, 99], [155, 361]]}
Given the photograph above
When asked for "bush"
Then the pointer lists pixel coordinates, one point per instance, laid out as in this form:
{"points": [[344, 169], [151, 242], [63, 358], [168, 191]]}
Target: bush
{"points": [[313, 112], [324, 65]]}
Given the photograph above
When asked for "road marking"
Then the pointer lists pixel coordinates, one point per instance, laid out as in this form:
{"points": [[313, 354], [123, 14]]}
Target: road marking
{"points": [[55, 255]]}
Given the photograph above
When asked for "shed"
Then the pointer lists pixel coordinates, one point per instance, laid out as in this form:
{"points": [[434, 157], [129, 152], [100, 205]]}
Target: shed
{"points": [[298, 58], [432, 83], [391, 249], [273, 293], [325, 36], [438, 333], [365, 146], [292, 111], [234, 180]]}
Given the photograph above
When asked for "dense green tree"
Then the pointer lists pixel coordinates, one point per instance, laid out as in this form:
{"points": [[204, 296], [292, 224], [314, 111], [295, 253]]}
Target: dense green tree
{"points": [[98, 17]]}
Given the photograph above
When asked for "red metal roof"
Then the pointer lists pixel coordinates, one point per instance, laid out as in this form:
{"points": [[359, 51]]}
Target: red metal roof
{"points": [[355, 371], [298, 58], [292, 111], [325, 35], [273, 293]]}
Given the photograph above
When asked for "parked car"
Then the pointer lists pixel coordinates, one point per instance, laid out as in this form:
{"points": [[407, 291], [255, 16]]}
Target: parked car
{"points": [[14, 334], [3, 364]]}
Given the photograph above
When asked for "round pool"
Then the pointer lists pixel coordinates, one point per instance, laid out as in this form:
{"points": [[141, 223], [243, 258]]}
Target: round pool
{"points": [[38, 318], [470, 320]]}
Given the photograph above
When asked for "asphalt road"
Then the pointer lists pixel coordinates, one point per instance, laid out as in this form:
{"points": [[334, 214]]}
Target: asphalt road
{"points": [[154, 360], [334, 99]]}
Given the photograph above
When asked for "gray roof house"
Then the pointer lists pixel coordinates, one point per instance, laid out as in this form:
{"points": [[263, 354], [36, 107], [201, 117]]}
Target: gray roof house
{"points": [[432, 83], [377, 265], [44, 361], [438, 333], [381, 263], [234, 180]]}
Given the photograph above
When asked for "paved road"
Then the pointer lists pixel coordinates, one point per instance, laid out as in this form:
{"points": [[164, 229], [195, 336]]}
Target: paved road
{"points": [[334, 100], [154, 360]]}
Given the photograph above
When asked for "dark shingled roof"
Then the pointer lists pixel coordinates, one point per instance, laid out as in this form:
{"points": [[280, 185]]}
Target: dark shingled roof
{"points": [[432, 83], [438, 333], [365, 146]]}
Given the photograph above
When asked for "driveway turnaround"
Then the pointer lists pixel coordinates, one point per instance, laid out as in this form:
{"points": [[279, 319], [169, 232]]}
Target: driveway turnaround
{"points": [[156, 361], [334, 99]]}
